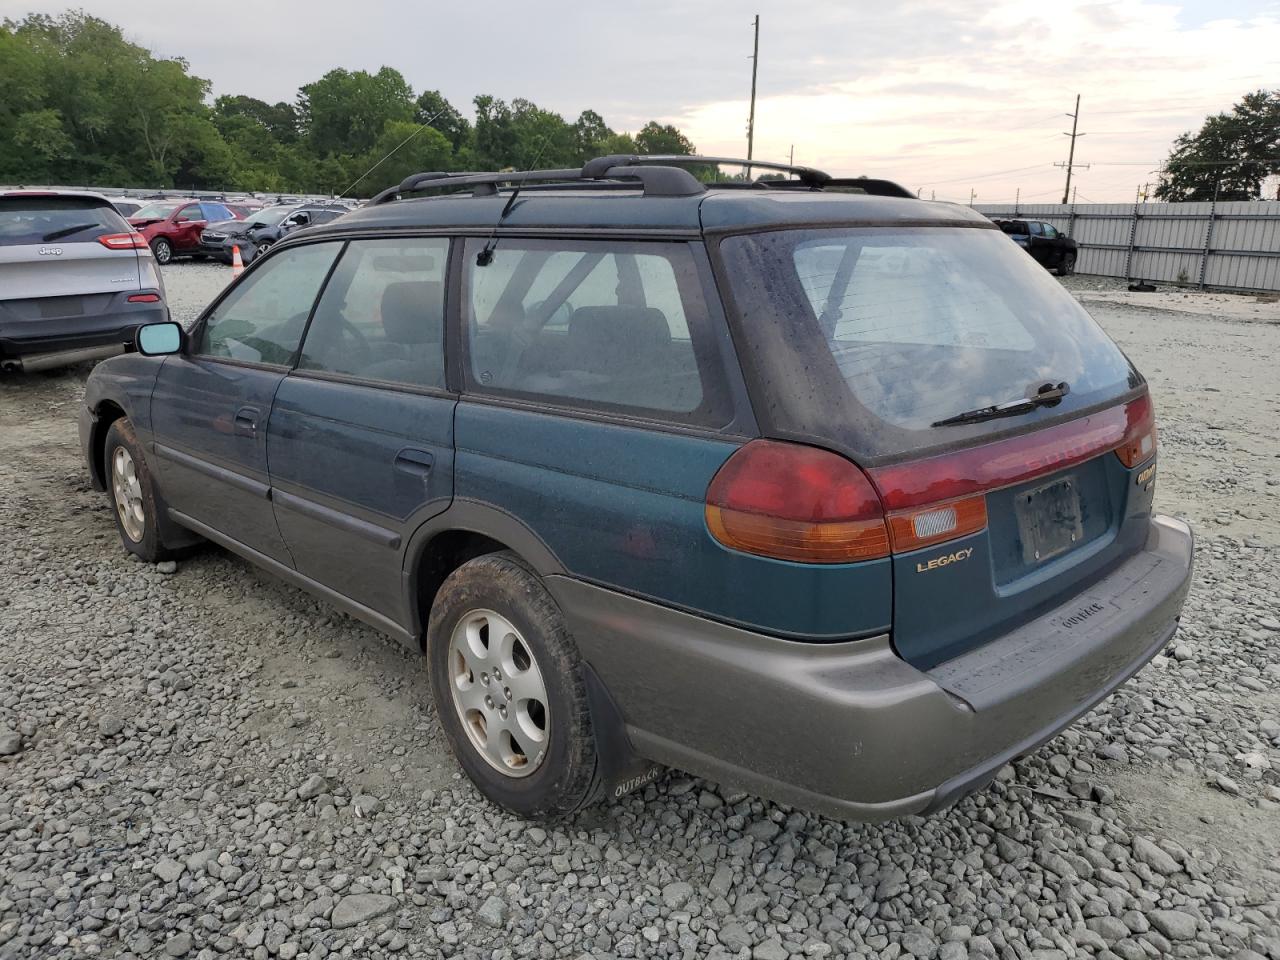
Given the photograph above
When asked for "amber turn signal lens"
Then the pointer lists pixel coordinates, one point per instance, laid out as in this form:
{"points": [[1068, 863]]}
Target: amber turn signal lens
{"points": [[843, 541], [922, 527], [1140, 432]]}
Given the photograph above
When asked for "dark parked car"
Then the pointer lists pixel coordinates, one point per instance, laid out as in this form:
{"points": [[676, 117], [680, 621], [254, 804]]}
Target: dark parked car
{"points": [[1046, 243], [258, 231], [833, 496], [173, 227], [75, 280]]}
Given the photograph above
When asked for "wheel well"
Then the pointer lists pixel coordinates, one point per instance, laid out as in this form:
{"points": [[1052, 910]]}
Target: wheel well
{"points": [[442, 555], [108, 413]]}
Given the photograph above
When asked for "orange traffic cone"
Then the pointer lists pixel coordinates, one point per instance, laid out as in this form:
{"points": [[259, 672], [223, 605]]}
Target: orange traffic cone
{"points": [[237, 265]]}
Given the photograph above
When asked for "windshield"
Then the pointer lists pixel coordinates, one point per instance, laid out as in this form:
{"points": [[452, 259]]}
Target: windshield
{"points": [[268, 217], [156, 211], [34, 220], [867, 337]]}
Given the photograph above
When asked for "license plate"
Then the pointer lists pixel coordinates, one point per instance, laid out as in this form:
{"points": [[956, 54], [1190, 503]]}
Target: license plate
{"points": [[1049, 520]]}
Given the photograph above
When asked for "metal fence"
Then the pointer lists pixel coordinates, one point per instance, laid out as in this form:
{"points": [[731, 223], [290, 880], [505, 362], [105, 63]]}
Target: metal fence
{"points": [[1233, 245]]}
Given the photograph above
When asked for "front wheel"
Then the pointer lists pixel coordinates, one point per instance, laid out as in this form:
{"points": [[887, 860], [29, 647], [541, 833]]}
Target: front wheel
{"points": [[508, 687], [132, 493], [163, 250], [261, 248], [1068, 265]]}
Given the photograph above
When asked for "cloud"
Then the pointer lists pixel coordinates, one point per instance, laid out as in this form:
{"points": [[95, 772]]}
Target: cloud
{"points": [[923, 91]]}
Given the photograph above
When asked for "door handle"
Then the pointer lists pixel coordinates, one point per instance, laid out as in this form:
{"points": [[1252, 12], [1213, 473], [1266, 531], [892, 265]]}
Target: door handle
{"points": [[412, 460], [246, 422]]}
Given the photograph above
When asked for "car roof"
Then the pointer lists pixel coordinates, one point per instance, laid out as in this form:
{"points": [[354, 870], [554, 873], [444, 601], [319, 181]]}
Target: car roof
{"points": [[85, 194]]}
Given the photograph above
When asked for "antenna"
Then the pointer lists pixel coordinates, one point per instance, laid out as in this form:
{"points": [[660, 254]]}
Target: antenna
{"points": [[485, 256], [425, 123]]}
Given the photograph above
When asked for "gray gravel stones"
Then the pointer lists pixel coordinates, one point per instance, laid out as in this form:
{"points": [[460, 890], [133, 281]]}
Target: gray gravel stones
{"points": [[216, 764], [360, 908], [10, 742]]}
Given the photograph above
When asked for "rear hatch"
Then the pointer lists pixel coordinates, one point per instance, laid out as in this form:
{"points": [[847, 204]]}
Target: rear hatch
{"points": [[52, 246], [921, 353]]}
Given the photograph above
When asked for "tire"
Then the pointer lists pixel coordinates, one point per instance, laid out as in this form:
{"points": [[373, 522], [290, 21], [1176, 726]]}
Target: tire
{"points": [[1067, 266], [132, 493], [162, 249], [261, 248], [543, 779]]}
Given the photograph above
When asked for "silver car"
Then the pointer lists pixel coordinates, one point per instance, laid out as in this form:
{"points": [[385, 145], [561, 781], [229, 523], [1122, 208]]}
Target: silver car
{"points": [[75, 280]]}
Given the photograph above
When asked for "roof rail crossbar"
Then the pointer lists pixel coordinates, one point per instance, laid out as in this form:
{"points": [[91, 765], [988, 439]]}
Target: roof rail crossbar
{"points": [[657, 181], [806, 175], [871, 185]]}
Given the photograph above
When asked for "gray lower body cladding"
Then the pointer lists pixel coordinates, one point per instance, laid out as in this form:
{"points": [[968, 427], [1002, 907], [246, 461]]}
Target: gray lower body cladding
{"points": [[850, 730]]}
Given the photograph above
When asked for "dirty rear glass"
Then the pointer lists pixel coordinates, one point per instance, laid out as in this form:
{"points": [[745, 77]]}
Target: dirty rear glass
{"points": [[36, 220], [868, 336]]}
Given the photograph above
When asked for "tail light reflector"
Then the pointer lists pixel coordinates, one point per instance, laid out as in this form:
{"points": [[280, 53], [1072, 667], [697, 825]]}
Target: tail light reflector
{"points": [[792, 502], [123, 241], [144, 298], [922, 527], [1140, 432]]}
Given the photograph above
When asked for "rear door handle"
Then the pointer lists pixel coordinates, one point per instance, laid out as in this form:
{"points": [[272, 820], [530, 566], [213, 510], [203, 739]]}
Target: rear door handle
{"points": [[412, 460], [246, 423]]}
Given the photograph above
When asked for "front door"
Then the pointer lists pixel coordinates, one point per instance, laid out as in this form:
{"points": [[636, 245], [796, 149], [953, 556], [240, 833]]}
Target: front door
{"points": [[210, 406], [361, 434]]}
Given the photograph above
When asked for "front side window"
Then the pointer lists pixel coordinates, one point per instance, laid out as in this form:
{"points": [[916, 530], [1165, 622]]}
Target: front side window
{"points": [[261, 320], [382, 314], [1033, 227], [1050, 232], [602, 325], [190, 212]]}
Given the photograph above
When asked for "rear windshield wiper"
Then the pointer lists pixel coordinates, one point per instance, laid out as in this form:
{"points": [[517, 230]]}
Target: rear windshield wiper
{"points": [[1045, 395], [67, 231]]}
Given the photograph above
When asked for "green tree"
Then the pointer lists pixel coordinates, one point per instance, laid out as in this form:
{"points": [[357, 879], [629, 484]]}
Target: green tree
{"points": [[345, 112], [657, 137], [1230, 156], [434, 110]]}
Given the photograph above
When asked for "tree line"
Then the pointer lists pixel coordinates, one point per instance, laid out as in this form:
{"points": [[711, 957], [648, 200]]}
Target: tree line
{"points": [[83, 105], [1230, 156]]}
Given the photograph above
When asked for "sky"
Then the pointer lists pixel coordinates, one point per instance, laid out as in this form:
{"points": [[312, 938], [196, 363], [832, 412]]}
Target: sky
{"points": [[953, 98]]}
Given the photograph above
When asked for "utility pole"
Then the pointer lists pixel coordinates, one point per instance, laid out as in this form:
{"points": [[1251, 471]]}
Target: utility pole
{"points": [[973, 195], [792, 159], [1071, 154], [1017, 199], [751, 117]]}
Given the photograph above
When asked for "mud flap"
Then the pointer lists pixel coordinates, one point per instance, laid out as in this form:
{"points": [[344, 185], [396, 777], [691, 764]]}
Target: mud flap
{"points": [[621, 769]]}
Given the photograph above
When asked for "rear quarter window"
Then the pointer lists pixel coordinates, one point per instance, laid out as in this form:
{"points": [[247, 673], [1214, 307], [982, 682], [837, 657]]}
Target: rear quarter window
{"points": [[598, 325], [42, 220]]}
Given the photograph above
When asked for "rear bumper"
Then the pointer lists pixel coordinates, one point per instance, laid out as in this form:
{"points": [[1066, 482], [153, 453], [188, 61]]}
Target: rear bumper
{"points": [[850, 730], [26, 340]]}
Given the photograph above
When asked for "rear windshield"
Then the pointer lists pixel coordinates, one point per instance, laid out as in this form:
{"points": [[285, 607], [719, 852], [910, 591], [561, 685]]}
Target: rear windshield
{"points": [[866, 337], [35, 220]]}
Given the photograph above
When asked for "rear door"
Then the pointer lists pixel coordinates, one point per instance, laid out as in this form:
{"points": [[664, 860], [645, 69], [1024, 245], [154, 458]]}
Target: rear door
{"points": [[361, 433], [211, 405]]}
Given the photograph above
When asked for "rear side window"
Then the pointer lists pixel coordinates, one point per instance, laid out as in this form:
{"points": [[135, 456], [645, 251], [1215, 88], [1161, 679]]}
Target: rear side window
{"points": [[382, 314], [261, 320], [602, 325], [40, 220], [870, 336], [215, 212]]}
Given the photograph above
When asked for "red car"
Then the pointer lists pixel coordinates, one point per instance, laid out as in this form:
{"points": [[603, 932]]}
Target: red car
{"points": [[172, 227]]}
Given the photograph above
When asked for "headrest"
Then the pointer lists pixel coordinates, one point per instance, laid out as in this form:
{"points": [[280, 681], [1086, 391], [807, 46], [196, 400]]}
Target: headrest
{"points": [[413, 311], [620, 331]]}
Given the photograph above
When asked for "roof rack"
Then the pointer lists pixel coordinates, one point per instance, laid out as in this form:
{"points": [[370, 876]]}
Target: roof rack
{"points": [[662, 175]]}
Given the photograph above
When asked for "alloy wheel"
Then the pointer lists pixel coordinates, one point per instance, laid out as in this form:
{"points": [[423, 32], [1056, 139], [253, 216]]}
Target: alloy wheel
{"points": [[126, 489], [499, 693]]}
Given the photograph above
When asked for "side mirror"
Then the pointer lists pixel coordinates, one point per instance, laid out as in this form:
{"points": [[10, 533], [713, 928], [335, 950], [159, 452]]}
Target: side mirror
{"points": [[159, 339]]}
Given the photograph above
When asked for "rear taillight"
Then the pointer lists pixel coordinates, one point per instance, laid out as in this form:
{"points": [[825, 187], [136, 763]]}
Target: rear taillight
{"points": [[123, 241], [792, 502], [1140, 432], [144, 298]]}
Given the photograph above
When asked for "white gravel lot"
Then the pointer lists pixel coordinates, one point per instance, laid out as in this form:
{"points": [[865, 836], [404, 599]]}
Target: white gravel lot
{"points": [[211, 763]]}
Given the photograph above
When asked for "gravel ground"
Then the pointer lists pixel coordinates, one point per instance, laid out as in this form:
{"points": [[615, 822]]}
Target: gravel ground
{"points": [[207, 762]]}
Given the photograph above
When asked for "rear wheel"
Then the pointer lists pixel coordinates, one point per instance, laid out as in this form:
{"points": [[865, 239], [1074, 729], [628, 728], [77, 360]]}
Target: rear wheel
{"points": [[162, 249], [1067, 266], [508, 687], [132, 493]]}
